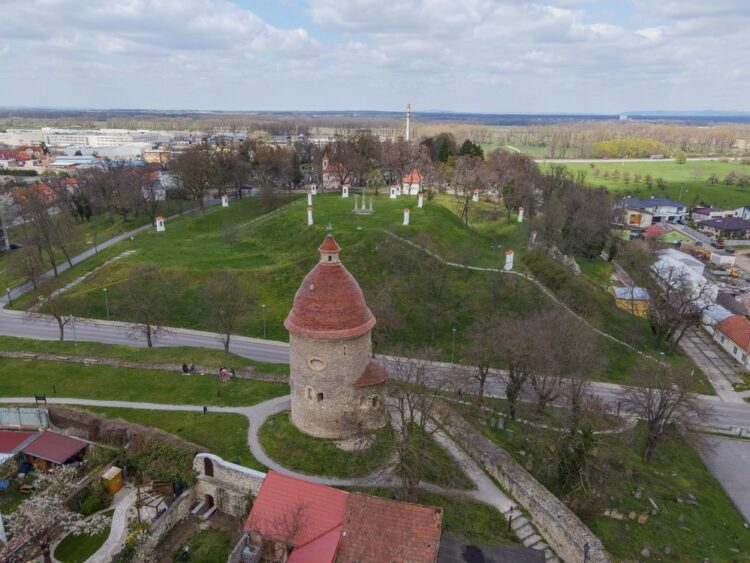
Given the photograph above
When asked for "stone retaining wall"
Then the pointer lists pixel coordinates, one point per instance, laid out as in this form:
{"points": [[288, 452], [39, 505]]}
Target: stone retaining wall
{"points": [[557, 524]]}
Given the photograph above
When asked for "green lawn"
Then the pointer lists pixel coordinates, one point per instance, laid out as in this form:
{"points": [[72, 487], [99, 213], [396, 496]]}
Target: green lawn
{"points": [[167, 355], [77, 549], [61, 379], [467, 520], [208, 546], [223, 434], [687, 182], [712, 529], [10, 498], [283, 442]]}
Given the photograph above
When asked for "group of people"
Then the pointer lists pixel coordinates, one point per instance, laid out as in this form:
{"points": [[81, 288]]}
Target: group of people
{"points": [[188, 369], [226, 374]]}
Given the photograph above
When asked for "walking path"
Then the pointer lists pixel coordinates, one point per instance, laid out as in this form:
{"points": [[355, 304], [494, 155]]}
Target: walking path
{"points": [[485, 489], [119, 530], [716, 364]]}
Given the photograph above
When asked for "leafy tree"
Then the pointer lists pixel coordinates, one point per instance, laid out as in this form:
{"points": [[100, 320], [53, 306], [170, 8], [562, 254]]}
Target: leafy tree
{"points": [[680, 157], [471, 149]]}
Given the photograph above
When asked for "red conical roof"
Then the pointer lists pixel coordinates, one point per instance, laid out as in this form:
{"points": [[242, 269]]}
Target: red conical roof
{"points": [[329, 303]]}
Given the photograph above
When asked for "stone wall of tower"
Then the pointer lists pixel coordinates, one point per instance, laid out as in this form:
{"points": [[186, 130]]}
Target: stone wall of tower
{"points": [[325, 402]]}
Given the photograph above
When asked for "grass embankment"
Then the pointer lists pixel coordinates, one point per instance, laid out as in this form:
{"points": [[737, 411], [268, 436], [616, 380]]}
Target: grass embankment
{"points": [[77, 549], [695, 518], [274, 254], [166, 355], [19, 378], [317, 456], [685, 182], [223, 434]]}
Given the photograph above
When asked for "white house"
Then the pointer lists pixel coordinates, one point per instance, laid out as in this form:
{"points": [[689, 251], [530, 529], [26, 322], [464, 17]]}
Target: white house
{"points": [[644, 212], [733, 334], [412, 182], [673, 265], [742, 212], [706, 213]]}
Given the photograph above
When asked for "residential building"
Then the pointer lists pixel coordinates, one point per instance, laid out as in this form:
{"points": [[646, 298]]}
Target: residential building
{"points": [[332, 173], [644, 212], [296, 521], [722, 259], [13, 441], [712, 316], [743, 212], [673, 266], [412, 182], [50, 449], [733, 334], [706, 213], [727, 227]]}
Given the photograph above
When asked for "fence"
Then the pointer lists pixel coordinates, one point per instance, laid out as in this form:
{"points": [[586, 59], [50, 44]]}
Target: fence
{"points": [[24, 417]]}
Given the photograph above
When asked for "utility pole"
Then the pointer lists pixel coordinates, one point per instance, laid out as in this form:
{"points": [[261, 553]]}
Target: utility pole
{"points": [[106, 302], [264, 320], [453, 346], [408, 122]]}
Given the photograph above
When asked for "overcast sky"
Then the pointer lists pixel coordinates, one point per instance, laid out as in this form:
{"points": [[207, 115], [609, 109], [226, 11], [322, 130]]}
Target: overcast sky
{"points": [[495, 56]]}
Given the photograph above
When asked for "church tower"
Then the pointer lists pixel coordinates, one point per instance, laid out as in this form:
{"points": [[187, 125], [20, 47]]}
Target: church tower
{"points": [[337, 387]]}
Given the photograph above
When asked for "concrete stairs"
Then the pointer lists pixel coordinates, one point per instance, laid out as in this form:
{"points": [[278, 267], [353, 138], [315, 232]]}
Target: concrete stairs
{"points": [[528, 535]]}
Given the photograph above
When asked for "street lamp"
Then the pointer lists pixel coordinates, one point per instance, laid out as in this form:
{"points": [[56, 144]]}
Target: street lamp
{"points": [[264, 320], [72, 320], [106, 302], [10, 299], [453, 346]]}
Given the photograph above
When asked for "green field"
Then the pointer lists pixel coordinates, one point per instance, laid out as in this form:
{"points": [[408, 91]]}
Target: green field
{"points": [[223, 434], [272, 256], [685, 182], [706, 525], [20, 378]]}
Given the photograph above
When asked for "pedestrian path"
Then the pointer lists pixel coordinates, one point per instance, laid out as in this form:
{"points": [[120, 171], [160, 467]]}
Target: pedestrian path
{"points": [[720, 370]]}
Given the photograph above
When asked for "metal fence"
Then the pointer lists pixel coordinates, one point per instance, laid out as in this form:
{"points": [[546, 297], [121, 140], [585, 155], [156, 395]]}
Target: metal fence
{"points": [[24, 417]]}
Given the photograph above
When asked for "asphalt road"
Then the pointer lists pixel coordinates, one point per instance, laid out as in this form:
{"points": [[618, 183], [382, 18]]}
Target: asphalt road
{"points": [[728, 460]]}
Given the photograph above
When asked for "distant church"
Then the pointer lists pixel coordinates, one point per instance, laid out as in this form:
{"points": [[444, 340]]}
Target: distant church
{"points": [[337, 387]]}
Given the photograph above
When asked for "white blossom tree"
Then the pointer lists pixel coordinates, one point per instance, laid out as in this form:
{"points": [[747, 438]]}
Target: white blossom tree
{"points": [[44, 516]]}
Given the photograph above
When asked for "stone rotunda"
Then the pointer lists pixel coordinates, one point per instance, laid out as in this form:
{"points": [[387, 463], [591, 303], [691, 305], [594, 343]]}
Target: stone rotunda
{"points": [[337, 387]]}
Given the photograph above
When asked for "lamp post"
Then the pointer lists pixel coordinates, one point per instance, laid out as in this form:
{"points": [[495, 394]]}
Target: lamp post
{"points": [[453, 346], [106, 302], [72, 320], [264, 320], [10, 298]]}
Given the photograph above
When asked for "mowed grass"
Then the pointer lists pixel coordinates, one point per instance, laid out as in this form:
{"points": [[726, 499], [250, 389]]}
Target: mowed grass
{"points": [[685, 182], [77, 549], [21, 378], [712, 529], [207, 546], [223, 434], [166, 355]]}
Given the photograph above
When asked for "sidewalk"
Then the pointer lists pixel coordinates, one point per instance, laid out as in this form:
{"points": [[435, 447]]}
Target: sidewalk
{"points": [[719, 368]]}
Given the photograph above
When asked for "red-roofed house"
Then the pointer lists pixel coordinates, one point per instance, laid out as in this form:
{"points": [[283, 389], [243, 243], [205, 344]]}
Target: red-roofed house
{"points": [[654, 231], [50, 449], [412, 181], [296, 521], [12, 442], [333, 174], [733, 334]]}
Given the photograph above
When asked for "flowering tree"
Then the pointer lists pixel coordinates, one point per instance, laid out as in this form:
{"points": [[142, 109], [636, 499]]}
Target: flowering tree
{"points": [[44, 516]]}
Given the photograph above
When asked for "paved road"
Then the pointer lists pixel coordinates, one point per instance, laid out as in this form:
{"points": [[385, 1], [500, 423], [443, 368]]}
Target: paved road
{"points": [[728, 461], [623, 160]]}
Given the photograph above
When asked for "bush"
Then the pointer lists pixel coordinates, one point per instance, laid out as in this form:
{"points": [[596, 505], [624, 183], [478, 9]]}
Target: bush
{"points": [[90, 499]]}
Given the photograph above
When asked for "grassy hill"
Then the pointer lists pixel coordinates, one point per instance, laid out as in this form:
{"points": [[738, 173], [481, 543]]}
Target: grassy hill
{"points": [[272, 253], [688, 182]]}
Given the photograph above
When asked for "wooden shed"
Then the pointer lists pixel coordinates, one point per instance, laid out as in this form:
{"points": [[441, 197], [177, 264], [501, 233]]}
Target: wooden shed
{"points": [[112, 480]]}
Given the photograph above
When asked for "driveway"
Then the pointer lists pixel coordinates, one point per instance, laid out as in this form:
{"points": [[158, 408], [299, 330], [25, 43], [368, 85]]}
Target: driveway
{"points": [[728, 461]]}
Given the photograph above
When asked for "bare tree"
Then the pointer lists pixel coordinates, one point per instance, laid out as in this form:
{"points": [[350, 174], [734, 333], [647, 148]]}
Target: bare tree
{"points": [[229, 301], [196, 170], [144, 300], [56, 304], [662, 400], [27, 263]]}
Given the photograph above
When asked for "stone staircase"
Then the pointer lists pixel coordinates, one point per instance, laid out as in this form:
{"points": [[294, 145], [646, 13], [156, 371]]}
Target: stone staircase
{"points": [[528, 535]]}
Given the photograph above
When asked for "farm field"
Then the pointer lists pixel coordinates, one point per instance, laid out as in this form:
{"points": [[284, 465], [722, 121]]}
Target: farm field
{"points": [[686, 182]]}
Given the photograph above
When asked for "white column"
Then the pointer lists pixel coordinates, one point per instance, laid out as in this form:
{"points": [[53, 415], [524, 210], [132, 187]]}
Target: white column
{"points": [[520, 214], [508, 260], [406, 216], [314, 189], [393, 192], [160, 225], [309, 198], [309, 216], [420, 200], [475, 196], [345, 191], [225, 200]]}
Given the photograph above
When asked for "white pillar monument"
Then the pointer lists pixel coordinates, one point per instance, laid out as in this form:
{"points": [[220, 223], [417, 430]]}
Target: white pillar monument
{"points": [[406, 216], [394, 192], [160, 224], [520, 214], [309, 216], [420, 200], [508, 260], [225, 200], [309, 197], [475, 196], [345, 190]]}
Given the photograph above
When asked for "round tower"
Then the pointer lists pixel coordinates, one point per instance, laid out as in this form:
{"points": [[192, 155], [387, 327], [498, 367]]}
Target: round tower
{"points": [[337, 387]]}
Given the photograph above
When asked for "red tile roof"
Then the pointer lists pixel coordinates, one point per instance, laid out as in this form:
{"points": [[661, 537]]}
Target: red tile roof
{"points": [[11, 440], [737, 328], [374, 374], [284, 502], [654, 231], [338, 526], [377, 529], [329, 245], [54, 447], [329, 304], [413, 177]]}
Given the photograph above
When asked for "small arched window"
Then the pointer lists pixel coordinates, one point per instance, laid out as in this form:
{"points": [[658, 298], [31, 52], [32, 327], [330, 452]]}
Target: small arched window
{"points": [[320, 397], [208, 467], [330, 258], [374, 401], [344, 349]]}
